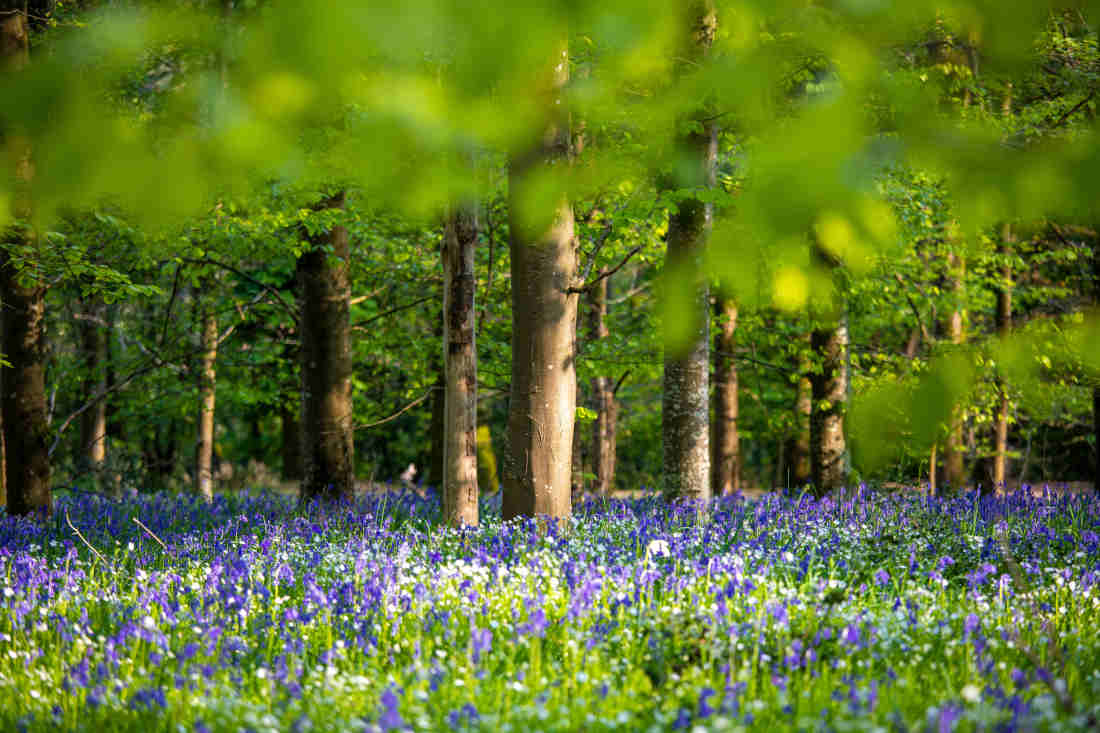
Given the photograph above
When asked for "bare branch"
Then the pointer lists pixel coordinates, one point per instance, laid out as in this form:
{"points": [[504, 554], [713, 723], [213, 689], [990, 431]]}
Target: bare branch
{"points": [[606, 273], [397, 414]]}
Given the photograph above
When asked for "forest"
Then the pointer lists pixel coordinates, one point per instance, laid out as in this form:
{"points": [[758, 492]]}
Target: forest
{"points": [[549, 365]]}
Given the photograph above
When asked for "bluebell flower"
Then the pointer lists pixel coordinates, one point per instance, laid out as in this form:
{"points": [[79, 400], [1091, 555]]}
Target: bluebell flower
{"points": [[390, 719], [481, 641], [705, 709]]}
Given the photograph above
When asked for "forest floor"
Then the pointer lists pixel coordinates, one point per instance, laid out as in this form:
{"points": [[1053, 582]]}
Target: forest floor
{"points": [[873, 611]]}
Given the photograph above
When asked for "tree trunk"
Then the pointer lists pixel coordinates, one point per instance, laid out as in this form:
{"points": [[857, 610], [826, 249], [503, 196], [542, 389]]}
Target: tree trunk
{"points": [[726, 441], [460, 489], [801, 469], [543, 248], [829, 392], [1004, 323], [603, 394], [954, 470], [328, 449], [204, 449], [24, 389], [685, 406], [23, 337], [932, 459], [93, 423]]}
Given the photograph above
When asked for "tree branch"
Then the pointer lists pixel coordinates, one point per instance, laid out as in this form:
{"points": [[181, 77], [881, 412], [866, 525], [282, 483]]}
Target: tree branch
{"points": [[913, 306], [606, 273], [395, 309], [397, 414], [290, 309]]}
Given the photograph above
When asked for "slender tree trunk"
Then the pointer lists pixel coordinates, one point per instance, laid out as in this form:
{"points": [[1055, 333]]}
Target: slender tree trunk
{"points": [[1004, 323], [685, 407], [954, 469], [460, 489], [604, 431], [328, 449], [23, 337], [204, 449], [828, 445], [932, 459], [801, 470], [725, 439], [93, 423], [543, 248]]}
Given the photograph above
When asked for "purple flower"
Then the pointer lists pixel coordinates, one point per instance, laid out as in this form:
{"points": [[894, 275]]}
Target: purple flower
{"points": [[882, 577], [481, 641], [391, 717], [971, 624], [536, 624], [705, 709], [945, 722]]}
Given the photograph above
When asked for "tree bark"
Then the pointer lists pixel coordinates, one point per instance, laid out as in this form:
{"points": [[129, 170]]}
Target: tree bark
{"points": [[543, 249], [24, 389], [829, 392], [954, 470], [801, 470], [204, 449], [328, 449], [460, 488], [604, 431], [93, 423], [23, 336], [1003, 324], [685, 406], [725, 439]]}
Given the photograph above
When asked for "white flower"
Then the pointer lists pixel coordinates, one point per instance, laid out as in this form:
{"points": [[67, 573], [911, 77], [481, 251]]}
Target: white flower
{"points": [[971, 693], [658, 548]]}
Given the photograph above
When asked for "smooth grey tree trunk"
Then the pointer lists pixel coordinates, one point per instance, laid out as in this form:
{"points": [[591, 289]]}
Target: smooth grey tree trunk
{"points": [[685, 405], [208, 355], [543, 248]]}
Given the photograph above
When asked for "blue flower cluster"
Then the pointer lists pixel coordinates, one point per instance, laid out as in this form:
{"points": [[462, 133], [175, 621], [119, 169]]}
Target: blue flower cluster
{"points": [[860, 611]]}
